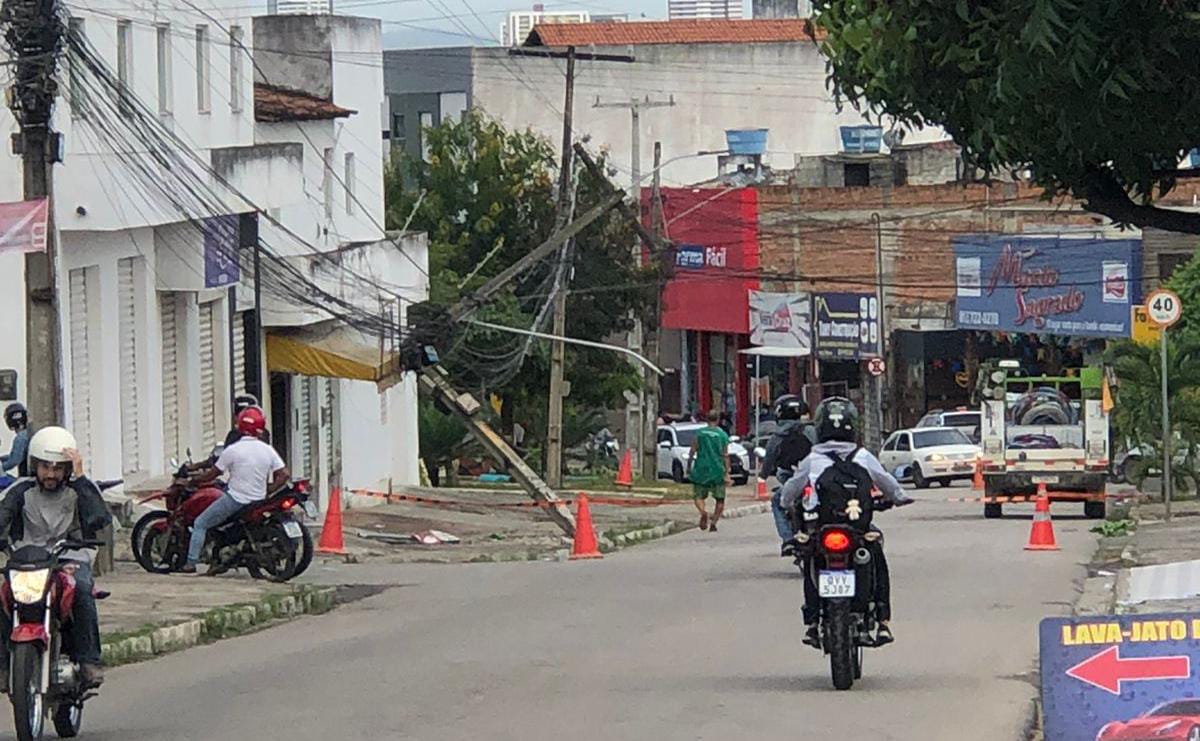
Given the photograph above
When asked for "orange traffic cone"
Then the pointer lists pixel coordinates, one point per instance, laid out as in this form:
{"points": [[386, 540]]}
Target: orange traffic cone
{"points": [[1041, 536], [625, 472], [977, 484], [763, 495], [332, 540], [585, 537]]}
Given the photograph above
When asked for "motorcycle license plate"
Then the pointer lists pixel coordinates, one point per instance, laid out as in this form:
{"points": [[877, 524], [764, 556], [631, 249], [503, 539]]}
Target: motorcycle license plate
{"points": [[836, 583], [292, 528]]}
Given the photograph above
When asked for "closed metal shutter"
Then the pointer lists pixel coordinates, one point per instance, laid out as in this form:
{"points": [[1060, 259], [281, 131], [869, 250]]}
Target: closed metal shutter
{"points": [[81, 392], [239, 353], [208, 377], [127, 329], [304, 427], [170, 375]]}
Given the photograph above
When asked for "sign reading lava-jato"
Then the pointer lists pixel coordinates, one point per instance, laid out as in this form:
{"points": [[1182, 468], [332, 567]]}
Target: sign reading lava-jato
{"points": [[1050, 285], [1112, 677]]}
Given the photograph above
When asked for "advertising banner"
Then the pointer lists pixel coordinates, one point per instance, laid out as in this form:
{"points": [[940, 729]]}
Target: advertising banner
{"points": [[1112, 677], [23, 226], [781, 320], [1055, 286], [846, 325]]}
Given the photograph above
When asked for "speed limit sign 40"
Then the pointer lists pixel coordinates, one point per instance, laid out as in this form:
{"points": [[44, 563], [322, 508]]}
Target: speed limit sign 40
{"points": [[1164, 307]]}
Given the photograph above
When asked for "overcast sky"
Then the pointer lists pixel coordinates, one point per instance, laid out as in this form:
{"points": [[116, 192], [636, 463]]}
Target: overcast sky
{"points": [[455, 22]]}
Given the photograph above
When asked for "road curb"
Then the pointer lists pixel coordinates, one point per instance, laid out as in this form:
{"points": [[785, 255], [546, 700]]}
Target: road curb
{"points": [[671, 527], [218, 623]]}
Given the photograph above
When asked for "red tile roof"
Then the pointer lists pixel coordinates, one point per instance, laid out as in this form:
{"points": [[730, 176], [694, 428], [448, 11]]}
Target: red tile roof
{"points": [[673, 32], [276, 104]]}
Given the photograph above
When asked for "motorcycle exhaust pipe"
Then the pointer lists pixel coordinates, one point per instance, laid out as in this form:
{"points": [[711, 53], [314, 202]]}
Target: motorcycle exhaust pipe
{"points": [[862, 557]]}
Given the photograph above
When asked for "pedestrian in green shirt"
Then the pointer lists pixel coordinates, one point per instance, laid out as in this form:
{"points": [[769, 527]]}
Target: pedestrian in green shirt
{"points": [[708, 464]]}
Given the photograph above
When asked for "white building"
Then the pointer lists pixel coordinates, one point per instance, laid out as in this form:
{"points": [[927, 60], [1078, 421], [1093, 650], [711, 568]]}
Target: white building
{"points": [[729, 10], [521, 22], [154, 313]]}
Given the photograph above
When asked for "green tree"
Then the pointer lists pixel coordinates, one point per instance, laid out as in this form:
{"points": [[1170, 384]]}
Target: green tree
{"points": [[486, 196], [1099, 98], [443, 440], [1186, 282]]}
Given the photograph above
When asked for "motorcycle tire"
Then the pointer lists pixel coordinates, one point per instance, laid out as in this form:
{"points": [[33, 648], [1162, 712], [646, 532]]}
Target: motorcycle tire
{"points": [[29, 709], [68, 719], [306, 554], [142, 542], [281, 564], [840, 640]]}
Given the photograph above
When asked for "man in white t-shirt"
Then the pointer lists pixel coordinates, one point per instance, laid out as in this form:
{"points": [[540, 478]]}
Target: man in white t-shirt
{"points": [[253, 468]]}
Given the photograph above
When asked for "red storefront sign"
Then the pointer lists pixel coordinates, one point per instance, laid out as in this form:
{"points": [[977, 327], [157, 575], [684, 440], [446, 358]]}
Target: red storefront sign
{"points": [[23, 226]]}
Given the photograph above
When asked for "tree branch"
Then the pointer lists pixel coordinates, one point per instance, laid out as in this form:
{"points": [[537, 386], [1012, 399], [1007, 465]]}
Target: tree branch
{"points": [[1105, 196]]}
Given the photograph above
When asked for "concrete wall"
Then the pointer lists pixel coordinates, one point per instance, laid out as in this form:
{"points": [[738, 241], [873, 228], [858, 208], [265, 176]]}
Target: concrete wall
{"points": [[1162, 253]]}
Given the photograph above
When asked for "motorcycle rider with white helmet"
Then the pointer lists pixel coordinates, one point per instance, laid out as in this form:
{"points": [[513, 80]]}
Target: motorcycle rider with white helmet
{"points": [[58, 502]]}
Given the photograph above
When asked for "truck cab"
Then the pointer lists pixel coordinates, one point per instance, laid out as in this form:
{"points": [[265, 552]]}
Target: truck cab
{"points": [[1044, 430]]}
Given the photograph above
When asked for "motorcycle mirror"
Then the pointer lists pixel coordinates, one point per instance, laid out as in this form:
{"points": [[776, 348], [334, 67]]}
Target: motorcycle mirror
{"points": [[189, 453], [175, 463]]}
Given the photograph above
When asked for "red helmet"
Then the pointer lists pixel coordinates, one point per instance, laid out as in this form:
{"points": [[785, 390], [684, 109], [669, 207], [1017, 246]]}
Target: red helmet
{"points": [[251, 422]]}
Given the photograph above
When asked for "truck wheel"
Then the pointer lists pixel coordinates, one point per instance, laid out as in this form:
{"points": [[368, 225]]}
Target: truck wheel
{"points": [[1094, 510], [993, 510]]}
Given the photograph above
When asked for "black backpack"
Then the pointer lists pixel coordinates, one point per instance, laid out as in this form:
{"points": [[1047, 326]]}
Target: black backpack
{"points": [[794, 447], [841, 484]]}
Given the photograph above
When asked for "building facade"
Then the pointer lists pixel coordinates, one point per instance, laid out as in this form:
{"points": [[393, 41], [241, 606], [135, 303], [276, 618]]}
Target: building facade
{"points": [[726, 10], [520, 22]]}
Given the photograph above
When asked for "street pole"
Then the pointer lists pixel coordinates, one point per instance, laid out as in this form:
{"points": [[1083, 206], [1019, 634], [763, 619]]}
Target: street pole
{"points": [[34, 37], [877, 381], [554, 442], [650, 382], [1168, 488]]}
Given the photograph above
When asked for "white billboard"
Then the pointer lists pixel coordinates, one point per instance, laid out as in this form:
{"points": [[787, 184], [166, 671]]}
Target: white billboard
{"points": [[781, 320]]}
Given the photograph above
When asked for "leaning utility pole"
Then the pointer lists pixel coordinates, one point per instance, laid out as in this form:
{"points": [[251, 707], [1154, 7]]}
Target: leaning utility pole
{"points": [[554, 436], [638, 418], [34, 35]]}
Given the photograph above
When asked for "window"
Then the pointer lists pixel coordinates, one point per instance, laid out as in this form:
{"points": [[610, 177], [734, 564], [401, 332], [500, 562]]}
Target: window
{"points": [[941, 436], [327, 183], [203, 76], [903, 444], [399, 135], [664, 436], [857, 174], [891, 442], [75, 73], [165, 81], [351, 183], [237, 52], [125, 63], [426, 124]]}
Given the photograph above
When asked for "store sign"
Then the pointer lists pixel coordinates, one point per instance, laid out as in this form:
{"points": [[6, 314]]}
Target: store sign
{"points": [[1074, 287], [695, 257], [221, 266], [846, 325], [781, 320]]}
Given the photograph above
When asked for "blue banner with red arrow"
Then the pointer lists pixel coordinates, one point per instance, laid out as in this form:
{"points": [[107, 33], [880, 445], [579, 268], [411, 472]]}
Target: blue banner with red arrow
{"points": [[1121, 677]]}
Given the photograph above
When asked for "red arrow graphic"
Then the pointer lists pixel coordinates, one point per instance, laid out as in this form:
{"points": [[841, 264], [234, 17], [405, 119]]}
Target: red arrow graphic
{"points": [[1107, 669]]}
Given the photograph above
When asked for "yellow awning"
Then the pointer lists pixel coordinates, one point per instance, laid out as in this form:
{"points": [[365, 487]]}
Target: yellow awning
{"points": [[329, 349]]}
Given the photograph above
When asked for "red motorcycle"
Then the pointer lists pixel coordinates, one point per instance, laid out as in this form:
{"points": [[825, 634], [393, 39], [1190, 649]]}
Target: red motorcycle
{"points": [[265, 538], [43, 680]]}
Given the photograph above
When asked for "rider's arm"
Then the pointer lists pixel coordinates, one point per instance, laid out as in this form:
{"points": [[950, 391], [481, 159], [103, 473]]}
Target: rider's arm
{"points": [[883, 480], [766, 469], [793, 490], [93, 512], [280, 474], [18, 453], [10, 508]]}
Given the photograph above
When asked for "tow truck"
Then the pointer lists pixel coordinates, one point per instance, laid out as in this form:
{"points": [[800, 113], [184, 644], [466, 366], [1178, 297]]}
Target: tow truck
{"points": [[1050, 430]]}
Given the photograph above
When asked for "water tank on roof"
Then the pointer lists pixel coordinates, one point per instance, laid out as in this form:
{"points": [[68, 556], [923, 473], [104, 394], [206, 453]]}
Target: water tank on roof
{"points": [[749, 142], [862, 139]]}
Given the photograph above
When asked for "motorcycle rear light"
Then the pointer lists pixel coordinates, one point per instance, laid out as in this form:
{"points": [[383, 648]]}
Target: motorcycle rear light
{"points": [[301, 486], [288, 503], [836, 541]]}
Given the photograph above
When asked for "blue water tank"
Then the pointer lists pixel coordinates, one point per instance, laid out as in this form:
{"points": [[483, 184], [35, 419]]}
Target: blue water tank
{"points": [[862, 139], [746, 141]]}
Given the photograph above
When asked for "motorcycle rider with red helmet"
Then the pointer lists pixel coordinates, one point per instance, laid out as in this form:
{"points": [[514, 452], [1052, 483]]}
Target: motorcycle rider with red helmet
{"points": [[253, 469]]}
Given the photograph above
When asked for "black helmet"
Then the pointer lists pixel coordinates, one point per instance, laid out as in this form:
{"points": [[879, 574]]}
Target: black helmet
{"points": [[836, 419], [242, 402], [790, 406], [16, 416]]}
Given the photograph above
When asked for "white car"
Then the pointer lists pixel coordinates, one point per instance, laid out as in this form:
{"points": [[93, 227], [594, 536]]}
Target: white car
{"points": [[675, 447], [941, 454], [967, 420]]}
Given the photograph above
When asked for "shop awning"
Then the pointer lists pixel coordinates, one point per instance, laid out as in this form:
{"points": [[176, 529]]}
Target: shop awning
{"points": [[328, 349], [777, 352]]}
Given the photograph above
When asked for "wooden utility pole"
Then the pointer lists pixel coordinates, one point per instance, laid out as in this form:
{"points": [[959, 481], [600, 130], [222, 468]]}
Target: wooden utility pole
{"points": [[34, 31], [653, 347], [554, 437]]}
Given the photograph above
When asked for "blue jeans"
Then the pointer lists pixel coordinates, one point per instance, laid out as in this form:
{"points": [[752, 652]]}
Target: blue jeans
{"points": [[217, 513], [783, 525]]}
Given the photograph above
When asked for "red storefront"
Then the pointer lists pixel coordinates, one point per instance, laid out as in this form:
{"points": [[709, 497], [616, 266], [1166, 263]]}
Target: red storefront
{"points": [[706, 301]]}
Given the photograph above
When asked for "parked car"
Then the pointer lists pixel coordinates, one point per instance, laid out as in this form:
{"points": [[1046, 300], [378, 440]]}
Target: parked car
{"points": [[675, 446], [941, 454], [965, 419]]}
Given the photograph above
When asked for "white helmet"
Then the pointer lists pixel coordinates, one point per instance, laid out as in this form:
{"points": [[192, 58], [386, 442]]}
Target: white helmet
{"points": [[49, 443]]}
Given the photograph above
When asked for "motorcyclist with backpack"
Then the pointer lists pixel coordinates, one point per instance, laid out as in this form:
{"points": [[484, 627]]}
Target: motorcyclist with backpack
{"points": [[791, 443], [16, 418], [837, 426]]}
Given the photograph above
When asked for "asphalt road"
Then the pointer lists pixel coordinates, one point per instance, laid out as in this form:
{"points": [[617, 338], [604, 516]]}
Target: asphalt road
{"points": [[693, 637]]}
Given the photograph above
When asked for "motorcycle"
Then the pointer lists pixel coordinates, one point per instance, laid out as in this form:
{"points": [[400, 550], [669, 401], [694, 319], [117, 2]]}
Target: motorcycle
{"points": [[43, 680], [264, 537]]}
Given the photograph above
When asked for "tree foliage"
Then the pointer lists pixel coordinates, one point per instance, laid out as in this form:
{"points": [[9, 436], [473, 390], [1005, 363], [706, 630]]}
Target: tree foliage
{"points": [[486, 196], [1099, 98]]}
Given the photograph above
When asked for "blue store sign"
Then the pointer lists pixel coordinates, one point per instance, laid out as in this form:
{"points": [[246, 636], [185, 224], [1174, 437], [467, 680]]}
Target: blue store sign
{"points": [[1121, 677], [1056, 286]]}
